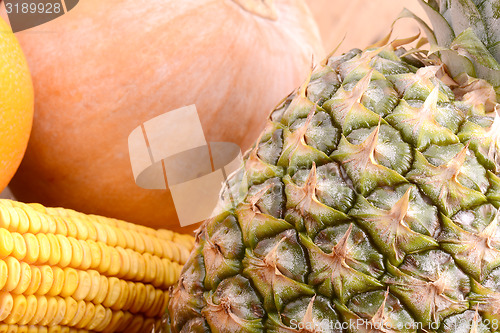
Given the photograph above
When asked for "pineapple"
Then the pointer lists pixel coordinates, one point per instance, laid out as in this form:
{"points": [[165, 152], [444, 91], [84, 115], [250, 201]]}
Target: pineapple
{"points": [[370, 203]]}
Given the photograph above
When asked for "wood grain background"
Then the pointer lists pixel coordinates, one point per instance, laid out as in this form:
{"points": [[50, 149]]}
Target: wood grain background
{"points": [[363, 22]]}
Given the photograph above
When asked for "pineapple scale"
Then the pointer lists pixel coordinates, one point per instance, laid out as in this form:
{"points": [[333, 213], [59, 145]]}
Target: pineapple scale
{"points": [[369, 204]]}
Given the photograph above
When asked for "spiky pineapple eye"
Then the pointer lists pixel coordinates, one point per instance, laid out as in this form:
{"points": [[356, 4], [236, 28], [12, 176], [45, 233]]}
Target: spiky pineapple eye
{"points": [[331, 187], [320, 134], [468, 321], [477, 219]]}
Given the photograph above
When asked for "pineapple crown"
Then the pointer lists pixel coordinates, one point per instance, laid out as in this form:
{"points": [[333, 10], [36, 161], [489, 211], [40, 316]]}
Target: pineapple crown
{"points": [[466, 36]]}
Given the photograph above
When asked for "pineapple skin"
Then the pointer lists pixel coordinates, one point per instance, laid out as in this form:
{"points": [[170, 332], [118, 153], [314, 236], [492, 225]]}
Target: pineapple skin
{"points": [[368, 204]]}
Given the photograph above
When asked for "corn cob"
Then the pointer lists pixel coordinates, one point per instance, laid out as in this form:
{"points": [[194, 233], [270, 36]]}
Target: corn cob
{"points": [[64, 271]]}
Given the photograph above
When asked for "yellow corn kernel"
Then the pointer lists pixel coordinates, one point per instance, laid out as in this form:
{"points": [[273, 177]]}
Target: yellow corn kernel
{"points": [[169, 273], [150, 298], [65, 329], [120, 238], [132, 294], [4, 271], [55, 250], [60, 312], [4, 218], [35, 206], [35, 223], [148, 325], [138, 242], [24, 222], [95, 279], [88, 315], [70, 282], [32, 248], [51, 225], [105, 321], [113, 294], [129, 239], [44, 227], [13, 219], [115, 321], [46, 281], [122, 299], [175, 251], [72, 230], [124, 262], [71, 310], [7, 244], [95, 319], [17, 311], [111, 238], [184, 255], [133, 264], [20, 250], [58, 282], [136, 325], [82, 230], [6, 304], [114, 267], [165, 234], [168, 252], [41, 310], [155, 309], [148, 243], [65, 250], [80, 313], [150, 268], [36, 280], [103, 290], [31, 304], [166, 297], [160, 272], [140, 298], [157, 248], [61, 226], [92, 231], [54, 329], [14, 273], [125, 322], [95, 254], [105, 258], [21, 329], [87, 256], [24, 279], [100, 230], [168, 266], [35, 329], [76, 252], [83, 286], [45, 248], [189, 239], [141, 272]]}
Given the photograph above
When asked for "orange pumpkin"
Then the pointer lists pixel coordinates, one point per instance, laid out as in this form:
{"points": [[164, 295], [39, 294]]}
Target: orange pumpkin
{"points": [[16, 104], [106, 67]]}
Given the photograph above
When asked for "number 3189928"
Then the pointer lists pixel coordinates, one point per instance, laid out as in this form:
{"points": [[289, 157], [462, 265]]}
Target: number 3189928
{"points": [[33, 7]]}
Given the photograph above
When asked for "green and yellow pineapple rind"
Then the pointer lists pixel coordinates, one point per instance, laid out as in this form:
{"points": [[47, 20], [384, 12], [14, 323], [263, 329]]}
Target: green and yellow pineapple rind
{"points": [[370, 203]]}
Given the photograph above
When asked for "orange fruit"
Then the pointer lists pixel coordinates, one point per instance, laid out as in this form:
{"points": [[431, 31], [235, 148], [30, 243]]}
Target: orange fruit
{"points": [[16, 104]]}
